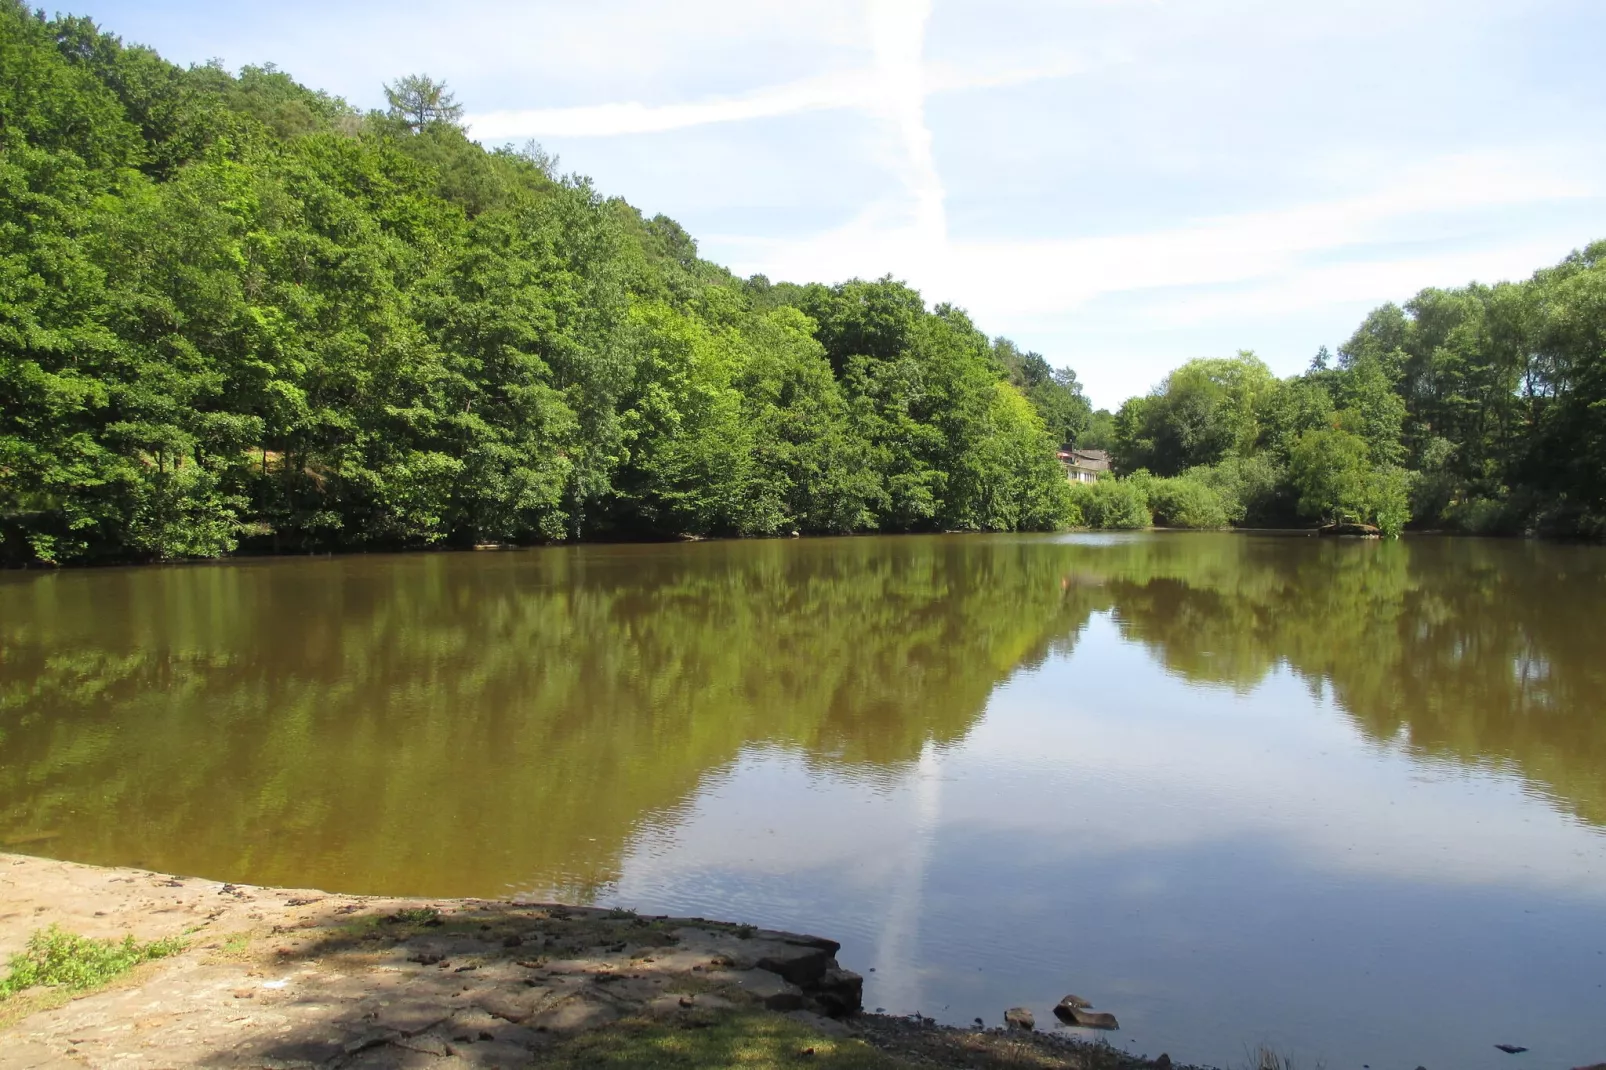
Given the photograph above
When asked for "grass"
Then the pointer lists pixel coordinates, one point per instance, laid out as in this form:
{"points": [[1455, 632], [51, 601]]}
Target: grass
{"points": [[1266, 1058], [76, 963], [752, 1041]]}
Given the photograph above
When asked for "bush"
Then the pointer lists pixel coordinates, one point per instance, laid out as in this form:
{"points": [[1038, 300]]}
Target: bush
{"points": [[1253, 490], [1185, 502], [1112, 503]]}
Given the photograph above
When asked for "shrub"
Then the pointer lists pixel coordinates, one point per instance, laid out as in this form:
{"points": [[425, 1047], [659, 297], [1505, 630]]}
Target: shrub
{"points": [[1253, 490], [1112, 503], [1185, 502]]}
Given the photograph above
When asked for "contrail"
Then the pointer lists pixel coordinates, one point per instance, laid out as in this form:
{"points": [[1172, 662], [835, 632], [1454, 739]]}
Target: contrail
{"points": [[898, 35]]}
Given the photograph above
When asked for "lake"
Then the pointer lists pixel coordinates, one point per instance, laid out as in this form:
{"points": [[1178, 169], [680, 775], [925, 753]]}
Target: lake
{"points": [[1344, 798]]}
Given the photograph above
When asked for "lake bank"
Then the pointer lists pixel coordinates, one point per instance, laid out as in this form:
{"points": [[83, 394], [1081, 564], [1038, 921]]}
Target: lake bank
{"points": [[274, 977]]}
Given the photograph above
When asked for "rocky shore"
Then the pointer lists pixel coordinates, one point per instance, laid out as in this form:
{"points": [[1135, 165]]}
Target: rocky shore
{"points": [[281, 978]]}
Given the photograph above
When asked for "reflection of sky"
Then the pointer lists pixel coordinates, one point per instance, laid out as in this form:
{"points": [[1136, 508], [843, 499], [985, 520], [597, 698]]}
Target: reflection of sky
{"points": [[1217, 869]]}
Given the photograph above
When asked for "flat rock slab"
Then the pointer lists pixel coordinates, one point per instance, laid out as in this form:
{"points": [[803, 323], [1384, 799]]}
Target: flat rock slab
{"points": [[307, 979]]}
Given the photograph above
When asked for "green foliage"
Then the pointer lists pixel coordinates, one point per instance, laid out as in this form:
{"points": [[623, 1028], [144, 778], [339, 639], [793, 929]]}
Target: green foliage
{"points": [[1253, 490], [1111, 503], [77, 963], [1099, 433], [1186, 501], [1477, 409], [1204, 411], [1329, 469], [420, 101], [1332, 471], [236, 313]]}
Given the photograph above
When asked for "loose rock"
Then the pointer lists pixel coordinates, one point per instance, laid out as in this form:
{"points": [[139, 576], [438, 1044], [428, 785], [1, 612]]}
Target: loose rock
{"points": [[1020, 1018], [1086, 1019]]}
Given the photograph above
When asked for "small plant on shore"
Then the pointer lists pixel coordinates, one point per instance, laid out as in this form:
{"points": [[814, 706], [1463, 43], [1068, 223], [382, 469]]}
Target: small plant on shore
{"points": [[417, 916], [78, 963], [1267, 1058]]}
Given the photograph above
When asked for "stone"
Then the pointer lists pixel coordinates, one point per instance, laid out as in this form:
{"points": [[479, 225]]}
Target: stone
{"points": [[1086, 1019], [513, 1005], [425, 1043], [1511, 1049], [774, 992], [801, 964], [1074, 1001], [573, 1015], [371, 1038], [1164, 1062], [1020, 1018], [839, 992], [410, 1017]]}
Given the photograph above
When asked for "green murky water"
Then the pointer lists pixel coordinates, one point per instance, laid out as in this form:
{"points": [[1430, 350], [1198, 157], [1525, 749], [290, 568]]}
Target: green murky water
{"points": [[1345, 798]]}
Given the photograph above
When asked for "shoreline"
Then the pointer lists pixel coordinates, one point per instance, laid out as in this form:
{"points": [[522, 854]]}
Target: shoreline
{"points": [[287, 978], [241, 556]]}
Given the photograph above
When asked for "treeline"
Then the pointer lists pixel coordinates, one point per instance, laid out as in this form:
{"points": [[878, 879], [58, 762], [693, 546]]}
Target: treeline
{"points": [[1481, 409], [238, 313]]}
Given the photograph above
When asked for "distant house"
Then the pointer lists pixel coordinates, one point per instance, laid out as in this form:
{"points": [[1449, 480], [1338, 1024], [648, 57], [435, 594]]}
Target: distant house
{"points": [[1084, 466]]}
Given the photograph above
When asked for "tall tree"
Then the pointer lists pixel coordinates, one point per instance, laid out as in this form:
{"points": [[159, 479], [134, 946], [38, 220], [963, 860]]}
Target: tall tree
{"points": [[420, 101]]}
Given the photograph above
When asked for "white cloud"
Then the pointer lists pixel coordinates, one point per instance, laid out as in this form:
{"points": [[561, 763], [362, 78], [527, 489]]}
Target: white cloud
{"points": [[846, 89], [1058, 274], [879, 90]]}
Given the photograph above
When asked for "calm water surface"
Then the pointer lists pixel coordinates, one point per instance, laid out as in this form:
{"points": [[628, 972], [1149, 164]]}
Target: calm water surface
{"points": [[1345, 798]]}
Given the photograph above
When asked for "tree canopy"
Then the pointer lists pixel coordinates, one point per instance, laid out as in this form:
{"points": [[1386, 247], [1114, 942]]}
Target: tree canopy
{"points": [[238, 313], [1479, 409]]}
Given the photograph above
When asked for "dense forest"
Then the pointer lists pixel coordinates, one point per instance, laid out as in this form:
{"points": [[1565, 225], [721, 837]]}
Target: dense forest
{"points": [[236, 313], [1480, 409]]}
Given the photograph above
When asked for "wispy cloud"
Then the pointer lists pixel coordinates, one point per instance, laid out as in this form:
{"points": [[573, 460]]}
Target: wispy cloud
{"points": [[882, 89], [846, 89], [1058, 274]]}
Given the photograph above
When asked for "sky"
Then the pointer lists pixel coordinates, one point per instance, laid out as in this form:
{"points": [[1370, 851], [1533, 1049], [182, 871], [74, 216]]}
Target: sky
{"points": [[1120, 185]]}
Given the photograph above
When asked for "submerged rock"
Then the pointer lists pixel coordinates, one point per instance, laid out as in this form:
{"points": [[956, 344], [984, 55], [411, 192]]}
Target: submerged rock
{"points": [[1020, 1018], [1511, 1049], [1071, 1014]]}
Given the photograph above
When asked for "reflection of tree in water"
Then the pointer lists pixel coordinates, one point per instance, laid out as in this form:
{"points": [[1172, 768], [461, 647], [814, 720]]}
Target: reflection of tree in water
{"points": [[454, 722], [1483, 652]]}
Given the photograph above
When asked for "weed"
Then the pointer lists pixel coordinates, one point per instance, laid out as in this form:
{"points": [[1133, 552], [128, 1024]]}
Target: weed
{"points": [[1267, 1058], [417, 916], [78, 963]]}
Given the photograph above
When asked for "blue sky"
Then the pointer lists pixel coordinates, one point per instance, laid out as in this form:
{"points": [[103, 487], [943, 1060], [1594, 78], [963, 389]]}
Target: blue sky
{"points": [[1119, 184]]}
